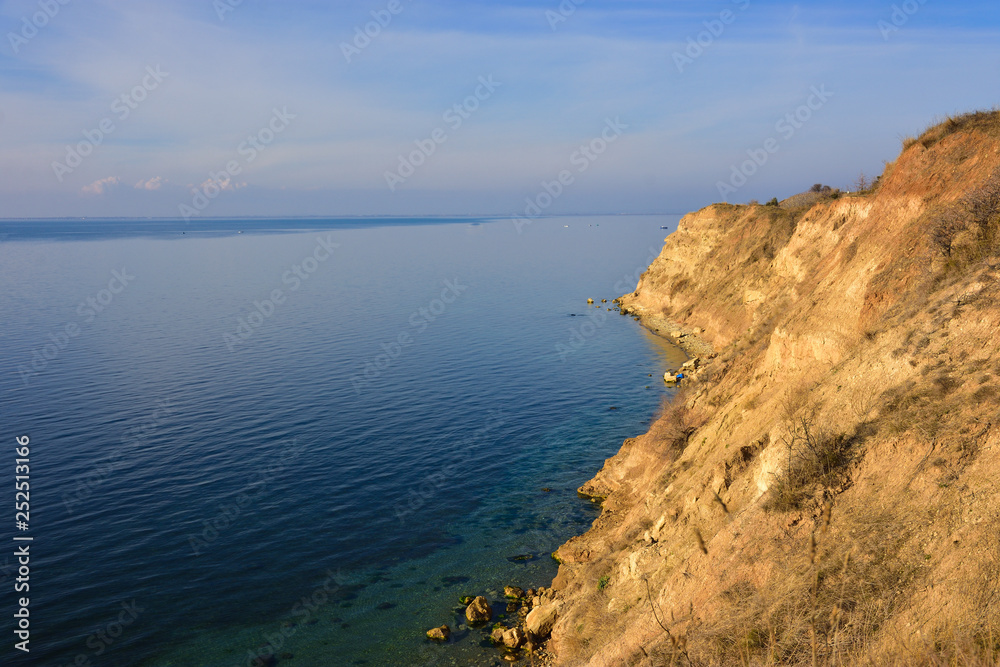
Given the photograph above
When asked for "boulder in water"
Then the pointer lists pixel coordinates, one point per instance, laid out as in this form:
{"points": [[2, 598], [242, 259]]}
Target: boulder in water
{"points": [[479, 611]]}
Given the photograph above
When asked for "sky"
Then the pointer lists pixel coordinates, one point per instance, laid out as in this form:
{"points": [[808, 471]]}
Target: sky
{"points": [[200, 108]]}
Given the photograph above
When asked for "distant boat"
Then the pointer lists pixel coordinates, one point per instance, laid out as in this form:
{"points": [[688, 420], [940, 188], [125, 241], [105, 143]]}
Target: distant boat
{"points": [[664, 227]]}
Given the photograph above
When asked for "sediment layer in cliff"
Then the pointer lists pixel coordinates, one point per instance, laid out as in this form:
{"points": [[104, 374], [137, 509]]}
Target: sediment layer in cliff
{"points": [[824, 490]]}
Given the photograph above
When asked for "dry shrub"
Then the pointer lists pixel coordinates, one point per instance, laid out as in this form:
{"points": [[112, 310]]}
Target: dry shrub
{"points": [[816, 457], [864, 185], [969, 231], [864, 400], [676, 425]]}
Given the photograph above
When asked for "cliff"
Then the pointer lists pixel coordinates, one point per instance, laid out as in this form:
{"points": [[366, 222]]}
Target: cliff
{"points": [[824, 489]]}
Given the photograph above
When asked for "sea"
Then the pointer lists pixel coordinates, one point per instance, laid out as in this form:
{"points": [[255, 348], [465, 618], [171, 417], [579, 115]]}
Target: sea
{"points": [[302, 441]]}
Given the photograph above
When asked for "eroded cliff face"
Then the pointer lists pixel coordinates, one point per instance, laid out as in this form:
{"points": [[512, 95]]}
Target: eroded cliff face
{"points": [[826, 487]]}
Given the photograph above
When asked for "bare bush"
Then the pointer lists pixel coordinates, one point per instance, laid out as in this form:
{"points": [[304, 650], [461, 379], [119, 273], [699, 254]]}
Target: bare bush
{"points": [[815, 457], [969, 231], [864, 400], [676, 425], [862, 184]]}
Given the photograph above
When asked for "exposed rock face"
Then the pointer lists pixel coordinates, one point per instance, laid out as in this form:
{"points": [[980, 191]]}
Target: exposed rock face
{"points": [[439, 634], [541, 619], [479, 611], [843, 419]]}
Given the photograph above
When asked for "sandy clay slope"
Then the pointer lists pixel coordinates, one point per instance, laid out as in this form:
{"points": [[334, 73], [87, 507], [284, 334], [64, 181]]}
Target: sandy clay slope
{"points": [[826, 489]]}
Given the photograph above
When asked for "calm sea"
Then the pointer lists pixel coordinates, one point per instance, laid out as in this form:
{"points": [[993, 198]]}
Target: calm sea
{"points": [[313, 435]]}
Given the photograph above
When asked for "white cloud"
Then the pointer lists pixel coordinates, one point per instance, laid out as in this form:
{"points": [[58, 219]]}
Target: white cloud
{"points": [[102, 186], [154, 183], [227, 185]]}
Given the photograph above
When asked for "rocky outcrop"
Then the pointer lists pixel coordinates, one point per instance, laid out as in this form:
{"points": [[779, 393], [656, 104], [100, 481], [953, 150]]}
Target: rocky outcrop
{"points": [[541, 619], [824, 482]]}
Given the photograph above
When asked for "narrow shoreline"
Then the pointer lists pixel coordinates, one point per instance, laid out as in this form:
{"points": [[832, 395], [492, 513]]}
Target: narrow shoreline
{"points": [[547, 601], [684, 337]]}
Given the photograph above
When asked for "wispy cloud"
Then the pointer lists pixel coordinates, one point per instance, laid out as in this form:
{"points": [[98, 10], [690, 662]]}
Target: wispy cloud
{"points": [[154, 183], [609, 58], [102, 186]]}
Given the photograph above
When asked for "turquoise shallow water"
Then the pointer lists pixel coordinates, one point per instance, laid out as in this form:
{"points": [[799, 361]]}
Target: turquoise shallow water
{"points": [[312, 433]]}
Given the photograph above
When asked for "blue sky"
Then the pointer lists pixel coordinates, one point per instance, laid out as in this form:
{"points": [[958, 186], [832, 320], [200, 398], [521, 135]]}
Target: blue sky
{"points": [[558, 74]]}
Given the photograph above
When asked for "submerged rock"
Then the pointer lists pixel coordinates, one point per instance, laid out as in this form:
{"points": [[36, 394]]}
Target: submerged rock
{"points": [[513, 592], [523, 558], [265, 658]]}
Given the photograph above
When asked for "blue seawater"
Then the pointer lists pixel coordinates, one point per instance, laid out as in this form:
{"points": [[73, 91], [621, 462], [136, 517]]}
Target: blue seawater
{"points": [[309, 436]]}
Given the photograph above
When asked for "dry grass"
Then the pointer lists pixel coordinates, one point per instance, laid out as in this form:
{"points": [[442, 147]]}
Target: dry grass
{"points": [[833, 602], [982, 121], [919, 408]]}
